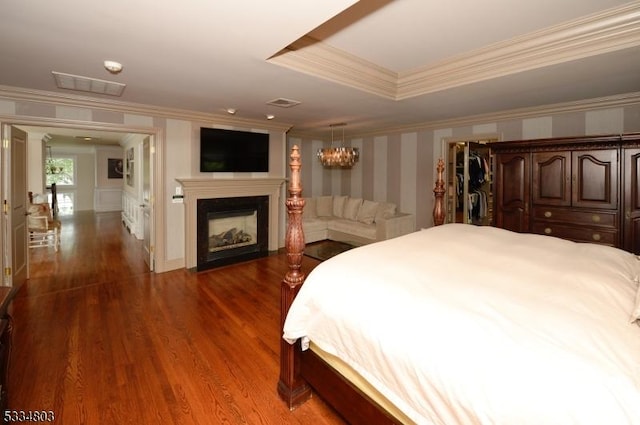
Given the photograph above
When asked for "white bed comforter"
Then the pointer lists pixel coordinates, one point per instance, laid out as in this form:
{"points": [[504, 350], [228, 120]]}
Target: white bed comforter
{"points": [[461, 324]]}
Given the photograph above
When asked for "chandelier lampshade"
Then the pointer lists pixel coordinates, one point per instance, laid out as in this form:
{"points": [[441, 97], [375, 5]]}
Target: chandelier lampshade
{"points": [[338, 157]]}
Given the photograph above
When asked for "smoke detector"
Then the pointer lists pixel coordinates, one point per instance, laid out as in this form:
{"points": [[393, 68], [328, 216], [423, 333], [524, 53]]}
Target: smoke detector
{"points": [[113, 66]]}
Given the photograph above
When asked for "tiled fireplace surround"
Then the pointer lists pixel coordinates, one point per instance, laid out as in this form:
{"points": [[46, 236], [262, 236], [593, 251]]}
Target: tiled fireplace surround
{"points": [[201, 188]]}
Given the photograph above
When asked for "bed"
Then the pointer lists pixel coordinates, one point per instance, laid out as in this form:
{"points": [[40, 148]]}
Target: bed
{"points": [[427, 328]]}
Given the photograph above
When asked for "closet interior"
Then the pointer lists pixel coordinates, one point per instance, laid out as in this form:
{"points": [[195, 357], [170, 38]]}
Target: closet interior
{"points": [[469, 191]]}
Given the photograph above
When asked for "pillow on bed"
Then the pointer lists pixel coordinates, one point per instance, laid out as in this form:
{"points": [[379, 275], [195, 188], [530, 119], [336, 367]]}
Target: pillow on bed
{"points": [[351, 208], [622, 266], [324, 206], [367, 212], [309, 210], [635, 314], [338, 206]]}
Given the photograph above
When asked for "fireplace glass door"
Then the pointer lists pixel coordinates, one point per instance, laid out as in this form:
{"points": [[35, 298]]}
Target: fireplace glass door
{"points": [[234, 229], [231, 230]]}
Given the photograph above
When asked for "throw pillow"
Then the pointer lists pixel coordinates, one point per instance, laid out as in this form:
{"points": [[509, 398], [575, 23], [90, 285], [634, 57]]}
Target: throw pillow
{"points": [[338, 206], [367, 212], [351, 208], [385, 210], [324, 206]]}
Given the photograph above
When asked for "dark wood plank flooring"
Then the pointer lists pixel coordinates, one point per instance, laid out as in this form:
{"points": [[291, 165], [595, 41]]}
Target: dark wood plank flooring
{"points": [[100, 340]]}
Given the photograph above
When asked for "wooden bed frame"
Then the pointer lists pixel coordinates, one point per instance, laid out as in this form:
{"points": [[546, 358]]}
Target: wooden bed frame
{"points": [[302, 371]]}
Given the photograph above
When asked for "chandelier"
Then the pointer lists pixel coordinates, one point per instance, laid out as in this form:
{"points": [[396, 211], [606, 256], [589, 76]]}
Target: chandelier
{"points": [[338, 157], [50, 166]]}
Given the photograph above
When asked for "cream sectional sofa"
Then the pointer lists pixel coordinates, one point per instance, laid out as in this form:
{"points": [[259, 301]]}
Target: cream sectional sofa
{"points": [[353, 220]]}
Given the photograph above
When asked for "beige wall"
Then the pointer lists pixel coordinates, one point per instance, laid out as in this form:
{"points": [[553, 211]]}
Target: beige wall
{"points": [[398, 166], [174, 134]]}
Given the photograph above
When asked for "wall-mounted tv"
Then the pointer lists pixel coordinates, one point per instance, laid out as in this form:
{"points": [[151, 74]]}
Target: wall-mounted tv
{"points": [[233, 151]]}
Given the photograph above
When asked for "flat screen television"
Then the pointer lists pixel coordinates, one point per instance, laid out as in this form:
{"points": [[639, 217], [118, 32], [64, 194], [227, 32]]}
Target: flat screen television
{"points": [[233, 151]]}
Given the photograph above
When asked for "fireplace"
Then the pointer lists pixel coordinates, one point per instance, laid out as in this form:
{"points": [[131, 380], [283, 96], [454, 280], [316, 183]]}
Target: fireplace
{"points": [[196, 189], [230, 230]]}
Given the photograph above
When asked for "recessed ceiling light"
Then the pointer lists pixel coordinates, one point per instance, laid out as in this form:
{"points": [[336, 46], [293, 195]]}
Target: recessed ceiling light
{"points": [[270, 116], [231, 111], [113, 66]]}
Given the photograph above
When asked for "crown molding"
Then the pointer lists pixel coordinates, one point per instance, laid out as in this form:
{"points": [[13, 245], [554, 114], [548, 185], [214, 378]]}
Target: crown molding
{"points": [[611, 30], [313, 57], [608, 102], [72, 100], [608, 31]]}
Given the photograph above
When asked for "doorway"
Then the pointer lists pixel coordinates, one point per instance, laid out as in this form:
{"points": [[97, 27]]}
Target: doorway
{"points": [[77, 138], [469, 191]]}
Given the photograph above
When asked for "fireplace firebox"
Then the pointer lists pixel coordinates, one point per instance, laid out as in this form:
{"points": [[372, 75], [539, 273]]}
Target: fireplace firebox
{"points": [[230, 230]]}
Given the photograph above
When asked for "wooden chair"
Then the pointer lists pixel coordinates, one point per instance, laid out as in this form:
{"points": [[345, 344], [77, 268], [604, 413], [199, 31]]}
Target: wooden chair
{"points": [[44, 230]]}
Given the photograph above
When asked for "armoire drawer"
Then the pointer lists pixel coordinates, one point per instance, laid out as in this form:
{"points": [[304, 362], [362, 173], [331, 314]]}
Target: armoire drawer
{"points": [[601, 218], [576, 233]]}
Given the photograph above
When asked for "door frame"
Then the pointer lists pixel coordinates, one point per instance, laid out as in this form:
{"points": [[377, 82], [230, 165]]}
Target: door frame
{"points": [[446, 143], [157, 172]]}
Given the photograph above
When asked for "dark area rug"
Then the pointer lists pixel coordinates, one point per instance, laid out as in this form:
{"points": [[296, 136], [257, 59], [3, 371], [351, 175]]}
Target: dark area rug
{"points": [[324, 250]]}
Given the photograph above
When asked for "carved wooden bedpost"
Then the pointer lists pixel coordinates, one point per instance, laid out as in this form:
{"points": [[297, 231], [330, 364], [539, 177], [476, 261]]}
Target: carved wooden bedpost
{"points": [[291, 387], [438, 207]]}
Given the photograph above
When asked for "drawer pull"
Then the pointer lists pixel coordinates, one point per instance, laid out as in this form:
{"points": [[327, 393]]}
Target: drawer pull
{"points": [[547, 230], [595, 218], [596, 236], [548, 214]]}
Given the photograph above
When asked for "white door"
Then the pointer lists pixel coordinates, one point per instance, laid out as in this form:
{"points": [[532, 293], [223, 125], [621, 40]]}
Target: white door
{"points": [[147, 202], [15, 206]]}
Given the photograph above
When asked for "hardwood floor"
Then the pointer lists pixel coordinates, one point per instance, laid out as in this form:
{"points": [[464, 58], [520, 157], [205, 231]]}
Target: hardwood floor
{"points": [[100, 340]]}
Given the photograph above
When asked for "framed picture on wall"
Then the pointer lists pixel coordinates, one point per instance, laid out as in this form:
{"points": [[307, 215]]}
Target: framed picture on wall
{"points": [[115, 168]]}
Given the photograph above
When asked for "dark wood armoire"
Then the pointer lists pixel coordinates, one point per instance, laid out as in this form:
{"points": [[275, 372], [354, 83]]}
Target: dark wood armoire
{"points": [[585, 189]]}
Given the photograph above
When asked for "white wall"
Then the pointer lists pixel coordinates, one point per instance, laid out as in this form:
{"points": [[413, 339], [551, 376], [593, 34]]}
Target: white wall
{"points": [[108, 191]]}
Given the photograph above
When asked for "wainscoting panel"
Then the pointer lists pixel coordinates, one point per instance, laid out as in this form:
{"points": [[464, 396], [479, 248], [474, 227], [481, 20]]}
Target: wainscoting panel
{"points": [[107, 199]]}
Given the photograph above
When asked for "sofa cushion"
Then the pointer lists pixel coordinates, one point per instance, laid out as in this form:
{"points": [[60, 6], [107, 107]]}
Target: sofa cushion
{"points": [[367, 212], [385, 210], [338, 205], [310, 209], [355, 228], [351, 208], [324, 206]]}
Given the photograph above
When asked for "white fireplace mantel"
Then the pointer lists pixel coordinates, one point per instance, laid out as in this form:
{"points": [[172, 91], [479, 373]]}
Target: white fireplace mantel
{"points": [[201, 188]]}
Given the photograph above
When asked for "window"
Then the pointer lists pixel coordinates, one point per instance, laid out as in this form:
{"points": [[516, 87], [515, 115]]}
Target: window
{"points": [[61, 170]]}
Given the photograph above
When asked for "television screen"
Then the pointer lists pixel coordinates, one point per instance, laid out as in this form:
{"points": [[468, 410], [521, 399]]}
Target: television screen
{"points": [[233, 151]]}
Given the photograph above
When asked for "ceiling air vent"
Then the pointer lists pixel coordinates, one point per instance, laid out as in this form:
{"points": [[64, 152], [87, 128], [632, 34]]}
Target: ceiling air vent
{"points": [[283, 103], [93, 85]]}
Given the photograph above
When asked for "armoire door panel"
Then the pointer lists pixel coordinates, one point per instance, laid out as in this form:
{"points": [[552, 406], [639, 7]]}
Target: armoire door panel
{"points": [[513, 191], [631, 210], [551, 178], [595, 178]]}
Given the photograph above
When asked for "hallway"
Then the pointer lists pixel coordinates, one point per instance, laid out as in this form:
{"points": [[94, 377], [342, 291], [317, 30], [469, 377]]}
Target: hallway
{"points": [[94, 246]]}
